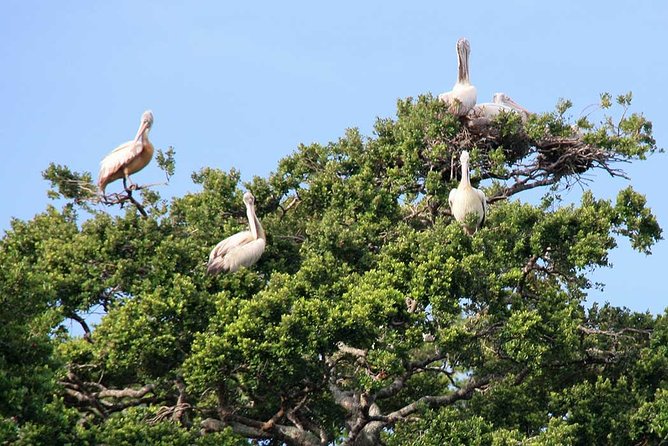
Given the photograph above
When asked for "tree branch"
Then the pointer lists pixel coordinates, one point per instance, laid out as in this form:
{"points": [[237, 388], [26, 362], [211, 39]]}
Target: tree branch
{"points": [[615, 334], [125, 393], [357, 352], [558, 158], [399, 382], [434, 401], [116, 198], [79, 394], [84, 326], [254, 429]]}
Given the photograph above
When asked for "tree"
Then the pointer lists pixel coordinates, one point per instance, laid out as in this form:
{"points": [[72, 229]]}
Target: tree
{"points": [[371, 317]]}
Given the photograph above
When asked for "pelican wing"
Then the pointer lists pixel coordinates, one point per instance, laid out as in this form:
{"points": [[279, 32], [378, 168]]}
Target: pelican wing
{"points": [[452, 198], [483, 199], [238, 250], [460, 99], [488, 110], [244, 255], [445, 97], [231, 242], [119, 157]]}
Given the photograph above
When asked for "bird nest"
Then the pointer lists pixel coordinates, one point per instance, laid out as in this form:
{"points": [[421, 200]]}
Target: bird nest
{"points": [[505, 132]]}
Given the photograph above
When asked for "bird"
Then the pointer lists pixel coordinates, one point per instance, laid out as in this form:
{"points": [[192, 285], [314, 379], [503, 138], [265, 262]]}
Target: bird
{"points": [[500, 102], [463, 95], [129, 157], [466, 200], [241, 249]]}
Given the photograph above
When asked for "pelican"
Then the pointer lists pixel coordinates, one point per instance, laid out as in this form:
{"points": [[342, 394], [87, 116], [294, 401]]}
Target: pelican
{"points": [[500, 102], [465, 200], [129, 157], [462, 97], [241, 249]]}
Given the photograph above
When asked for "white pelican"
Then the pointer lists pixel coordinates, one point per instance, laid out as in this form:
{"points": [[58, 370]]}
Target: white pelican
{"points": [[129, 157], [241, 249], [465, 200], [500, 102], [463, 95]]}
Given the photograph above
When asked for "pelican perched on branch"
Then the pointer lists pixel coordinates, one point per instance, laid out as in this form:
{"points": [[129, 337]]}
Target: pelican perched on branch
{"points": [[129, 157], [466, 200], [500, 102], [241, 249], [463, 95]]}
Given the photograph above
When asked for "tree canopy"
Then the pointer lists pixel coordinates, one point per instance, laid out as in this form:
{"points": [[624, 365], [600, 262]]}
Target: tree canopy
{"points": [[372, 317]]}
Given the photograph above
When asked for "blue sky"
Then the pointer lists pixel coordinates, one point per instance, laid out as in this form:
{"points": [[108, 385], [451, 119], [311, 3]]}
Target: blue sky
{"points": [[241, 85]]}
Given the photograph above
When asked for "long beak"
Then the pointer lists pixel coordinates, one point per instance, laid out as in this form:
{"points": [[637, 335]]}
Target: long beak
{"points": [[141, 130], [518, 106]]}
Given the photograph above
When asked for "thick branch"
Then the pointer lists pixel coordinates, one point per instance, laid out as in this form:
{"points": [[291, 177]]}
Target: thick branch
{"points": [[92, 396], [253, 429], [615, 334], [84, 326], [399, 383], [368, 425], [182, 405], [85, 401], [357, 352], [521, 186], [125, 393], [434, 401]]}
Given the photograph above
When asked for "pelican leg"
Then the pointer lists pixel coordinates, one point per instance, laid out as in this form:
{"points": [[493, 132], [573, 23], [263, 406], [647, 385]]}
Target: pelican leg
{"points": [[126, 179]]}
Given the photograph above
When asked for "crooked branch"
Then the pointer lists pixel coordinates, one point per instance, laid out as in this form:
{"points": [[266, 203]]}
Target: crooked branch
{"points": [[84, 326], [94, 397]]}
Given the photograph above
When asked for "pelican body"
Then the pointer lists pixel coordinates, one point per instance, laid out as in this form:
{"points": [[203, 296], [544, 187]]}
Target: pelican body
{"points": [[241, 249], [466, 200], [500, 102], [463, 95], [129, 157]]}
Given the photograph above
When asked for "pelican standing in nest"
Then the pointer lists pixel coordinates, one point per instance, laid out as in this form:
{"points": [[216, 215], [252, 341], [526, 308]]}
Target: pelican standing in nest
{"points": [[463, 95], [500, 102], [241, 249], [466, 200], [129, 157]]}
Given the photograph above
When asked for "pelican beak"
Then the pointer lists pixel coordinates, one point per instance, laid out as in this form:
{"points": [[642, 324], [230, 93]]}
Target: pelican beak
{"points": [[518, 106], [141, 130]]}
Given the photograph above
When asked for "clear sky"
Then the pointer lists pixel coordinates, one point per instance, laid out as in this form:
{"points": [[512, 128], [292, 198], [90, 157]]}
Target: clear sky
{"points": [[242, 84]]}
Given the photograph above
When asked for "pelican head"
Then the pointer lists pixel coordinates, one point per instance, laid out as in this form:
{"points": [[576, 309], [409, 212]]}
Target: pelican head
{"points": [[464, 157], [463, 50], [463, 46], [145, 125], [147, 119], [504, 99], [249, 199]]}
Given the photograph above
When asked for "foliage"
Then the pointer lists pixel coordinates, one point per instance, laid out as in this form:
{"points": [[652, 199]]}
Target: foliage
{"points": [[371, 314]]}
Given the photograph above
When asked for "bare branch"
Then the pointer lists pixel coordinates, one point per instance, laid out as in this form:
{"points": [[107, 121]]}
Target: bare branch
{"points": [[84, 326], [181, 407], [399, 382], [125, 393], [284, 210], [254, 429], [434, 401], [357, 352], [116, 198], [558, 158], [614, 334], [92, 396]]}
